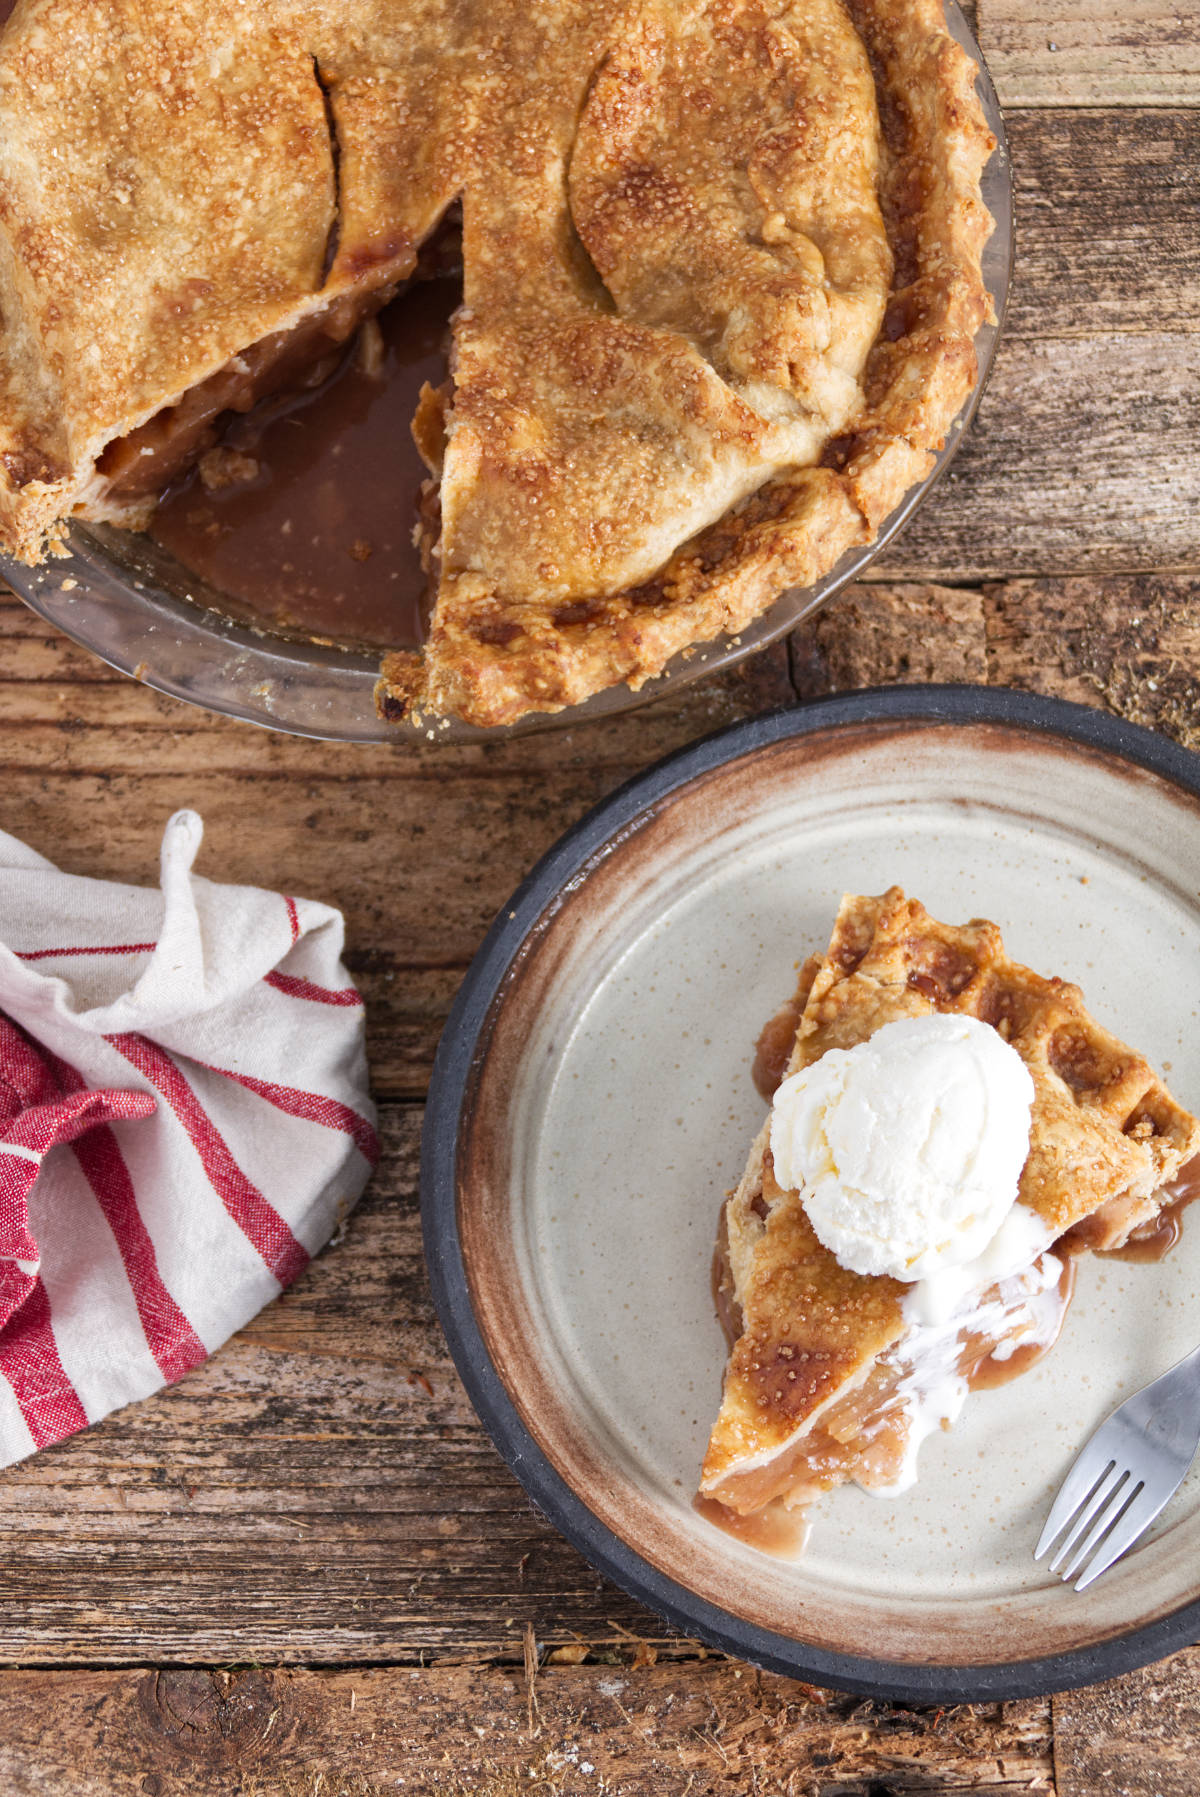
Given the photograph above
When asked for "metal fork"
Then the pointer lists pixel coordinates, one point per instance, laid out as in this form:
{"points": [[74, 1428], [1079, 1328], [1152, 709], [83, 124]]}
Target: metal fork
{"points": [[1131, 1467]]}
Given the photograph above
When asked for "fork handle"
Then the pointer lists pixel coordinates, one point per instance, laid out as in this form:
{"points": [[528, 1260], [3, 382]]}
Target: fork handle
{"points": [[1169, 1410]]}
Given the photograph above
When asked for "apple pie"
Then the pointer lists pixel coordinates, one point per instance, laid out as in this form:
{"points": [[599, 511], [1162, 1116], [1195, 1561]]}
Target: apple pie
{"points": [[721, 266], [832, 1375]]}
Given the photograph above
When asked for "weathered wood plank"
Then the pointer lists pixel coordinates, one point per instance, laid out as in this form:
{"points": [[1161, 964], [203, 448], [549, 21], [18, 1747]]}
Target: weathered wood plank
{"points": [[453, 847], [890, 635], [707, 1730], [66, 712], [1132, 645], [419, 846], [1107, 222], [419, 869], [1091, 52], [1131, 1737], [1082, 459]]}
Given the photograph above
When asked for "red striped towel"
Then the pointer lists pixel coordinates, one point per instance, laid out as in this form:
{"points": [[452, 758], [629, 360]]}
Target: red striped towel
{"points": [[184, 1120]]}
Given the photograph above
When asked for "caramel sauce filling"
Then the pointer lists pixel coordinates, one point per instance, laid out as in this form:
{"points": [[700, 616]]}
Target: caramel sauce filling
{"points": [[1156, 1237], [143, 464], [776, 1529], [314, 533], [773, 1050], [294, 482], [990, 1371]]}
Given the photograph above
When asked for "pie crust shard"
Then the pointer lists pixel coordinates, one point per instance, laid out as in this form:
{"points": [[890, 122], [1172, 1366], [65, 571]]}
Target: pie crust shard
{"points": [[721, 264], [828, 1380]]}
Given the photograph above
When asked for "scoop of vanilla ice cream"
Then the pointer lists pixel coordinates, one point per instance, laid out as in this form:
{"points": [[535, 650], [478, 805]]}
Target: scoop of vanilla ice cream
{"points": [[907, 1149]]}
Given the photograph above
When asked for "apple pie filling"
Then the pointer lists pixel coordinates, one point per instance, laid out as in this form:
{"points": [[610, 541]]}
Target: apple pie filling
{"points": [[294, 481], [136, 470], [305, 510], [871, 1434]]}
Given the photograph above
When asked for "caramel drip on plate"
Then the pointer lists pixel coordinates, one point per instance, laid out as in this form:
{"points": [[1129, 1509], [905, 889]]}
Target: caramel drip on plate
{"points": [[313, 532], [1156, 1237], [773, 1049], [990, 1371], [772, 1530]]}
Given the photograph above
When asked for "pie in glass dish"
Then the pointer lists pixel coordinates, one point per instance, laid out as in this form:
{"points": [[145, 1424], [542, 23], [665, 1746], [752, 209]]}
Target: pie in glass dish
{"points": [[721, 281], [836, 1375]]}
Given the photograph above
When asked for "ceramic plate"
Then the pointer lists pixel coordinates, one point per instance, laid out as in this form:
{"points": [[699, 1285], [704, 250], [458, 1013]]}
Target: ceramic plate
{"points": [[592, 1103]]}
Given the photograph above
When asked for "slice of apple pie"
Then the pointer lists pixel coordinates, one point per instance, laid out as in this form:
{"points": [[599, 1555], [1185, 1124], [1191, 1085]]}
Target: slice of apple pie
{"points": [[837, 1374]]}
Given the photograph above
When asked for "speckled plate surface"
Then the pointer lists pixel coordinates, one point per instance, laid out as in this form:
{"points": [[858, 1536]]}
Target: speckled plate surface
{"points": [[592, 1102]]}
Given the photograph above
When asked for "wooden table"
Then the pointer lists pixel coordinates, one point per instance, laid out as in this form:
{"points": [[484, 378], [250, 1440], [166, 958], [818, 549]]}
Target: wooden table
{"points": [[304, 1571]]}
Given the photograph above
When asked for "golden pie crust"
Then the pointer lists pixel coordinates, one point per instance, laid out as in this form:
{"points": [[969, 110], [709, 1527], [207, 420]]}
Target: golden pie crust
{"points": [[721, 284], [820, 1351]]}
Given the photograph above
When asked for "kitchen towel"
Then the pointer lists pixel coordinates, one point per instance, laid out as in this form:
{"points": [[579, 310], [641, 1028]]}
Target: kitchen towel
{"points": [[184, 1121]]}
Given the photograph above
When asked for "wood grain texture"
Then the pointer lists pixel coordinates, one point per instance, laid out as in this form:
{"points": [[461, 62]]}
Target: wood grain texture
{"points": [[441, 837], [1091, 52], [1082, 460], [318, 1491], [621, 1730], [885, 635], [1130, 643], [419, 846], [1107, 222]]}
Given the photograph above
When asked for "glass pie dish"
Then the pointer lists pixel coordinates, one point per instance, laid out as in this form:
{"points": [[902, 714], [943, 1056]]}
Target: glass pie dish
{"points": [[127, 599]]}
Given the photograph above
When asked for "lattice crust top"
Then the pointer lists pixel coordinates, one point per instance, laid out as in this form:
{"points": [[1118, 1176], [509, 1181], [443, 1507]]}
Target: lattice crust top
{"points": [[1106, 1135], [1104, 1125]]}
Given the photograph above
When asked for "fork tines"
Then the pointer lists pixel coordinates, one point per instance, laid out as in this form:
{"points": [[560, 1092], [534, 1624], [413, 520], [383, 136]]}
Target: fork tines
{"points": [[1101, 1510]]}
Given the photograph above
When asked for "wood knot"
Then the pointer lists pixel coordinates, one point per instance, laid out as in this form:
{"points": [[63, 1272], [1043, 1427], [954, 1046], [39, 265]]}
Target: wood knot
{"points": [[197, 1718]]}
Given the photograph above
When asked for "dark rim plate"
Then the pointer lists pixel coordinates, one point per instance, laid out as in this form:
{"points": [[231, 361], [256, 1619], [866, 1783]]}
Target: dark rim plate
{"points": [[1099, 745]]}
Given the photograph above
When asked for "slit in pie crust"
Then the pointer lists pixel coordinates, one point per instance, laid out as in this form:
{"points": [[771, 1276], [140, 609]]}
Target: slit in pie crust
{"points": [[829, 1380], [721, 284]]}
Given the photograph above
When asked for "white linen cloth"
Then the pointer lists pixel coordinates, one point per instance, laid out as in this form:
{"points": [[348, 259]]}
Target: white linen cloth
{"points": [[184, 1121]]}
